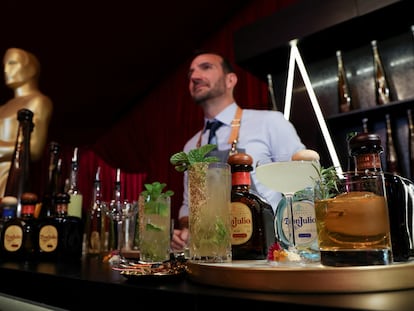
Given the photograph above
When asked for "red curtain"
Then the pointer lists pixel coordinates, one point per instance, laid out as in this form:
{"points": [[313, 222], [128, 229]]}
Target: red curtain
{"points": [[89, 161], [158, 126]]}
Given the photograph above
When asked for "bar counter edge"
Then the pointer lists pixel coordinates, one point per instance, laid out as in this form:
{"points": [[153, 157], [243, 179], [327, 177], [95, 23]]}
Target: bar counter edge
{"points": [[91, 282]]}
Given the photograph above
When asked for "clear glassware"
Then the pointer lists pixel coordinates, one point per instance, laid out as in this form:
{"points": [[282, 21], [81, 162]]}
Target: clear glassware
{"points": [[122, 219], [154, 228], [209, 188], [288, 177]]}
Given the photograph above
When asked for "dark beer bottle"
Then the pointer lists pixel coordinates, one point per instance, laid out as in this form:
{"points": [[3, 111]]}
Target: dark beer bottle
{"points": [[18, 179]]}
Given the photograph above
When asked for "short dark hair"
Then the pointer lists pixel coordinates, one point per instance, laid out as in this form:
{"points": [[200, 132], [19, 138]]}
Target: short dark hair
{"points": [[225, 64]]}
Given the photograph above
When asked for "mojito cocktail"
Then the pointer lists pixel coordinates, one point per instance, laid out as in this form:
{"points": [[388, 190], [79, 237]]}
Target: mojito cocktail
{"points": [[209, 189], [155, 228]]}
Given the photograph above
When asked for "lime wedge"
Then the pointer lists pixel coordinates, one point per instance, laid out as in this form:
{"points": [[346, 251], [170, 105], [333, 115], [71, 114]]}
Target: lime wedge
{"points": [[151, 227]]}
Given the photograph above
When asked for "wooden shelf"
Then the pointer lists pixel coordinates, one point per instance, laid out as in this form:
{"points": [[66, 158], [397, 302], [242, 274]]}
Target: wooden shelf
{"points": [[374, 114], [321, 27]]}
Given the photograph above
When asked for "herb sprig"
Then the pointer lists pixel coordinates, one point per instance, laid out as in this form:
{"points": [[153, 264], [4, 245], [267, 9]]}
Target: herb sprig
{"points": [[182, 160], [152, 193], [326, 183]]}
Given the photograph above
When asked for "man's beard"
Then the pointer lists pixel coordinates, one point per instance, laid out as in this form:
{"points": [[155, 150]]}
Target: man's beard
{"points": [[216, 91]]}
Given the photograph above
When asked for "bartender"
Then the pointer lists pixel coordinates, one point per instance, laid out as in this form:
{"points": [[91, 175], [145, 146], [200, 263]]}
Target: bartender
{"points": [[260, 133]]}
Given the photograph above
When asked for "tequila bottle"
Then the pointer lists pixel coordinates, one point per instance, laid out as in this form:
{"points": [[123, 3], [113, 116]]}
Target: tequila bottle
{"points": [[20, 235], [70, 231], [252, 217]]}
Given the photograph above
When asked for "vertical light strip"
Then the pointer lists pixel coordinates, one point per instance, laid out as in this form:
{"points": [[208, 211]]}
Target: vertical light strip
{"points": [[289, 85], [295, 55]]}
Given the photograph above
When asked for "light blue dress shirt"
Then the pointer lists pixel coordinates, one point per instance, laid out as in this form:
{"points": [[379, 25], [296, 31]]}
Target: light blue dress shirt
{"points": [[263, 134]]}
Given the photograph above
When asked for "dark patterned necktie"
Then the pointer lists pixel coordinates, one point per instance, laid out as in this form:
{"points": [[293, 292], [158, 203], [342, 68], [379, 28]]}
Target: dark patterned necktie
{"points": [[213, 126]]}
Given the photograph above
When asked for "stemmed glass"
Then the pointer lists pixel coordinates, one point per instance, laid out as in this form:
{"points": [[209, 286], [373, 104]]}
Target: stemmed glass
{"points": [[122, 217], [287, 177]]}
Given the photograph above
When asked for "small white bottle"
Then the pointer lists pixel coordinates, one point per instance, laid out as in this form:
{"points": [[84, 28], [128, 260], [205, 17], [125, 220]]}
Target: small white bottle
{"points": [[76, 198]]}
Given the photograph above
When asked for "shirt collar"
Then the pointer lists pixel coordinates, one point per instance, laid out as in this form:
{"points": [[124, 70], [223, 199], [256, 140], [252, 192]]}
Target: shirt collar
{"points": [[226, 116]]}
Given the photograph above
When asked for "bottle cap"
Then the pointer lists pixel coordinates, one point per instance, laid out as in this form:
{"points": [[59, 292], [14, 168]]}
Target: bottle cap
{"points": [[62, 198], [24, 115], [9, 201], [54, 147], [29, 198], [240, 159], [365, 143]]}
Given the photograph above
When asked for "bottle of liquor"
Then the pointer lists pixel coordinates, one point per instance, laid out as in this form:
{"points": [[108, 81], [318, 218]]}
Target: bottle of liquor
{"points": [[344, 95], [70, 231], [18, 179], [11, 232], [391, 150], [19, 241], [8, 203], [8, 206], [48, 227], [366, 150], [115, 215], [411, 142], [52, 187], [382, 89], [29, 201], [95, 221], [48, 237], [76, 197], [252, 217]]}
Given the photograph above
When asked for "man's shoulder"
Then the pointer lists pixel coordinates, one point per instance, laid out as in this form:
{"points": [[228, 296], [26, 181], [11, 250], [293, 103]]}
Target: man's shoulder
{"points": [[262, 114]]}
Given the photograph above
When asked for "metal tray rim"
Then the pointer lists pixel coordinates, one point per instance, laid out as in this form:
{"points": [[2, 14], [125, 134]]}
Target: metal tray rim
{"points": [[259, 275]]}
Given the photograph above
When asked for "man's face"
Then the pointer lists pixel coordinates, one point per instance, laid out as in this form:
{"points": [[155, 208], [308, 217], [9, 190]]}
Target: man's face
{"points": [[206, 78]]}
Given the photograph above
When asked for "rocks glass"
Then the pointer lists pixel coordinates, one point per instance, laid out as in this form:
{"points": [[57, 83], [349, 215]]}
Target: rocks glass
{"points": [[353, 227]]}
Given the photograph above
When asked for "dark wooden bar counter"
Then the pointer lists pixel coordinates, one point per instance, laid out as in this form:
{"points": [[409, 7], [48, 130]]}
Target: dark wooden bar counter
{"points": [[93, 283]]}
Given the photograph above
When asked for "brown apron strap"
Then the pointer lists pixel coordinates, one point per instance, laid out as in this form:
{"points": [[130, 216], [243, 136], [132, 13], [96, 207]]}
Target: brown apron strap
{"points": [[235, 127]]}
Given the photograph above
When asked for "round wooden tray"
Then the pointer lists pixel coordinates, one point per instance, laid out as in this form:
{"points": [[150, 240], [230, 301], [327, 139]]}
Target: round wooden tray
{"points": [[259, 275]]}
